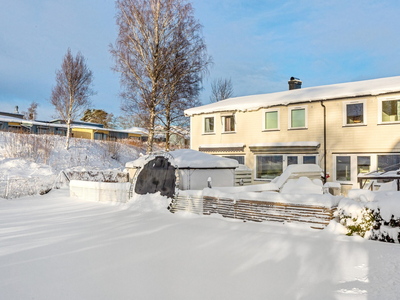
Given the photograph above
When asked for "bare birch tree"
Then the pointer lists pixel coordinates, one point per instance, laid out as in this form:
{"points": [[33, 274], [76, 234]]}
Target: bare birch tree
{"points": [[221, 89], [73, 89], [156, 39]]}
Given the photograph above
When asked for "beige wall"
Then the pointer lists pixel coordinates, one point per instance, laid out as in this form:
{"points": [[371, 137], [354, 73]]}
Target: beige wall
{"points": [[370, 138]]}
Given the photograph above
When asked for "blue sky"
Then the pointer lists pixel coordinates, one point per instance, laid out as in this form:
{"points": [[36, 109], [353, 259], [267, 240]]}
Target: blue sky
{"points": [[258, 44]]}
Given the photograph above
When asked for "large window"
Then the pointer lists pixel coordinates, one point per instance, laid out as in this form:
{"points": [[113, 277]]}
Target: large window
{"points": [[269, 166], [229, 123], [209, 125], [271, 120], [297, 117], [354, 113], [343, 168], [391, 111], [388, 162]]}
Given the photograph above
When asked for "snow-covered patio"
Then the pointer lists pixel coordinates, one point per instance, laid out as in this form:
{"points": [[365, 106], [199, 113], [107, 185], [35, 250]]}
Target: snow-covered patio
{"points": [[57, 247]]}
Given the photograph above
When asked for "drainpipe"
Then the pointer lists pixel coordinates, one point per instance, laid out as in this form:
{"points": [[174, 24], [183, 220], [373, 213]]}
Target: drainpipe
{"points": [[322, 104]]}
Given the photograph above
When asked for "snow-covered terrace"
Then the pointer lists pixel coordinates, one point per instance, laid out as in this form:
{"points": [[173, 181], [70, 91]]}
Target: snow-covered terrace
{"points": [[327, 92]]}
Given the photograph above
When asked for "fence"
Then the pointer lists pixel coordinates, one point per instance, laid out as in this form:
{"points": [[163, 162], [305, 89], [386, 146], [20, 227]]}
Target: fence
{"points": [[17, 187], [255, 210]]}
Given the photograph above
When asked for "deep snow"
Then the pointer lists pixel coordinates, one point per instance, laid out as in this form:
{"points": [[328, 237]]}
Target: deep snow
{"points": [[56, 247]]}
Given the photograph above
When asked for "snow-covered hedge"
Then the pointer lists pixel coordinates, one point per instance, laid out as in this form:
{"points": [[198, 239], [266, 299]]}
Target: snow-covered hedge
{"points": [[372, 215]]}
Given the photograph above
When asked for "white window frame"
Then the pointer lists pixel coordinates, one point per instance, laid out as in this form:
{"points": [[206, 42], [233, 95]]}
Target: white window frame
{"points": [[305, 107], [353, 166], [263, 119], [203, 124], [345, 103], [223, 116], [284, 161], [380, 110]]}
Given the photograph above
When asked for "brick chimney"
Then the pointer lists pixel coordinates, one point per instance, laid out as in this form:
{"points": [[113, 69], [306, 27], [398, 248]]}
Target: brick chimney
{"points": [[294, 83]]}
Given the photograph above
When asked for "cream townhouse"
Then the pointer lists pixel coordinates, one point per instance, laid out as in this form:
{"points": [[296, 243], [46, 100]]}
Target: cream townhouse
{"points": [[346, 129]]}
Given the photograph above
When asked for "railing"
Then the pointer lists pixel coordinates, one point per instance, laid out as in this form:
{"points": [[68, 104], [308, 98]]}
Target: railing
{"points": [[17, 187], [255, 210]]}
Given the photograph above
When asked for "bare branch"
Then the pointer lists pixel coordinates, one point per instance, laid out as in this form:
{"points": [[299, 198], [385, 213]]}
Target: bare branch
{"points": [[221, 89]]}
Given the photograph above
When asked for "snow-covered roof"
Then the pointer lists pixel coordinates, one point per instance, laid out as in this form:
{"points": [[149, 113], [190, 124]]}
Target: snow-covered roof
{"points": [[187, 158], [327, 92], [137, 130]]}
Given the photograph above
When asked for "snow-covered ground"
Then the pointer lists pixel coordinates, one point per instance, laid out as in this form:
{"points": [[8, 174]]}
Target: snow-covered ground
{"points": [[57, 247]]}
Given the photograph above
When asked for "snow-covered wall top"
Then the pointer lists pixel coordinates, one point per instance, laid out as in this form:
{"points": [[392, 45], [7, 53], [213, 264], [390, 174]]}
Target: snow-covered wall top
{"points": [[187, 158], [326, 92]]}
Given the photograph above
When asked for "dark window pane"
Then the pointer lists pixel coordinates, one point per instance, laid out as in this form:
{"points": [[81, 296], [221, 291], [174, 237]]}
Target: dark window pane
{"points": [[292, 160], [269, 166], [309, 160], [355, 113], [388, 162], [343, 168]]}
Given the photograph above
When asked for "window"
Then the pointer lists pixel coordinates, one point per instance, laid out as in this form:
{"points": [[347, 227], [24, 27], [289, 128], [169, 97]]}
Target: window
{"points": [[239, 158], [43, 130], [343, 168], [388, 162], [309, 159], [292, 160], [209, 125], [229, 123], [269, 166], [390, 111], [297, 117], [354, 113], [363, 164], [271, 120], [100, 136], [60, 131]]}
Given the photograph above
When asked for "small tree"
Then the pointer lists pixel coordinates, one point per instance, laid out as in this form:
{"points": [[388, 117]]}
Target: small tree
{"points": [[98, 116], [221, 89], [71, 94], [31, 114]]}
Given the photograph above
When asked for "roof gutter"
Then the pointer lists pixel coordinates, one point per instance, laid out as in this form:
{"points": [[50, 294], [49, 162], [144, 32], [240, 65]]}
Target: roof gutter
{"points": [[322, 104]]}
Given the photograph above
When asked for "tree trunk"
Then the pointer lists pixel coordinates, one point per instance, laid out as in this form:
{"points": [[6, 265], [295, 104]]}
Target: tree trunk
{"points": [[167, 129], [151, 133], [68, 133]]}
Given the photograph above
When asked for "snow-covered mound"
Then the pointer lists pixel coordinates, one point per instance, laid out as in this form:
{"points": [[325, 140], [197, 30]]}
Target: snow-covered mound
{"points": [[50, 150], [29, 164]]}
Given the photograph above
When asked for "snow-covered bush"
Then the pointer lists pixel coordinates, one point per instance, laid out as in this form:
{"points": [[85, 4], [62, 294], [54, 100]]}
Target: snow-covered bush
{"points": [[372, 215], [28, 146]]}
